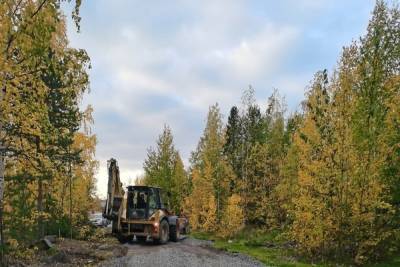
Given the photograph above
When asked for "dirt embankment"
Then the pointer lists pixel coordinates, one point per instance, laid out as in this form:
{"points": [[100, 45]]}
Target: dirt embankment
{"points": [[66, 252]]}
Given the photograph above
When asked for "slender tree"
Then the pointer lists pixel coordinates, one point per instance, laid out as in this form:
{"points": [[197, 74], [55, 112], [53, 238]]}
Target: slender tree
{"points": [[210, 162], [164, 168], [233, 145]]}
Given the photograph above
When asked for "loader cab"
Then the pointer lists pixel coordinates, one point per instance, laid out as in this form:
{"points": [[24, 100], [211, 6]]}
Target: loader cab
{"points": [[143, 201]]}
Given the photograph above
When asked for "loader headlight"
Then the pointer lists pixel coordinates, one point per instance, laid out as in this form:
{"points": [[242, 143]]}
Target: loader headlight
{"points": [[156, 224]]}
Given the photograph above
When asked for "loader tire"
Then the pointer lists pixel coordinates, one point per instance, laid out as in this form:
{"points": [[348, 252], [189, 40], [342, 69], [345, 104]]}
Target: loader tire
{"points": [[141, 239], [164, 233], [124, 239], [174, 234], [186, 230]]}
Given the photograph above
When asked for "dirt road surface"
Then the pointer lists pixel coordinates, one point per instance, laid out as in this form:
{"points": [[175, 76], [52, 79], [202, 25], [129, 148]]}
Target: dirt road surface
{"points": [[187, 252]]}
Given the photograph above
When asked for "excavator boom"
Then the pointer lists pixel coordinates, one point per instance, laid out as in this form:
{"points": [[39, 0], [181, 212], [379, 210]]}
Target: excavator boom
{"points": [[115, 191]]}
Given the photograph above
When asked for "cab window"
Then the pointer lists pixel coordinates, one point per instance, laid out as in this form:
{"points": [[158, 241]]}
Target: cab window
{"points": [[152, 202]]}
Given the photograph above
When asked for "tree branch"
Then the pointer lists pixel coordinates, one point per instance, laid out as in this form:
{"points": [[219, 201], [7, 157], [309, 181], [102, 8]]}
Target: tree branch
{"points": [[12, 37], [38, 9]]}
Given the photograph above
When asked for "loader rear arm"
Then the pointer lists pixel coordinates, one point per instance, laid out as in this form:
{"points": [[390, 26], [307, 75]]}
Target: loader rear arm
{"points": [[115, 192]]}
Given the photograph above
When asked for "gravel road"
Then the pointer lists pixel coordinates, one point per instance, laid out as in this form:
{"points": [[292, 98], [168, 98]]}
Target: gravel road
{"points": [[187, 252]]}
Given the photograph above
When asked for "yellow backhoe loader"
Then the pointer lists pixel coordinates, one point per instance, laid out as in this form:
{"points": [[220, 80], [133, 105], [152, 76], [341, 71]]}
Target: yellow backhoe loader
{"points": [[140, 211]]}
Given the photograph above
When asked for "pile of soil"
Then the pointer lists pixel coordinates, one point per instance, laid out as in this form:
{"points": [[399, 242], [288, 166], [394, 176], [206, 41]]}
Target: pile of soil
{"points": [[67, 252], [76, 252]]}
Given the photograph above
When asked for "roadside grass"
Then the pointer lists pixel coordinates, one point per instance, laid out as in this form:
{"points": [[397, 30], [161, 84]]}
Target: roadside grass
{"points": [[268, 247], [268, 256], [393, 262], [272, 249]]}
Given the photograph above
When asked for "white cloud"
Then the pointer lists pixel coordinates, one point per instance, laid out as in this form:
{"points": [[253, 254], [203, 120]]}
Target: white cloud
{"points": [[167, 62], [128, 177], [132, 63], [260, 54], [129, 79]]}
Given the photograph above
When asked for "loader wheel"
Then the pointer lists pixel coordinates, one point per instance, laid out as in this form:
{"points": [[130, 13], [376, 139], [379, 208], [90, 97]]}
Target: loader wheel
{"points": [[174, 234], [141, 239], [186, 230], [164, 233], [124, 239]]}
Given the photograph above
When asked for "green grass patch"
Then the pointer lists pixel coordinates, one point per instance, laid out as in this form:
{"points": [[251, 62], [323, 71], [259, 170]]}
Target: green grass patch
{"points": [[392, 262], [272, 249], [202, 235], [268, 256], [267, 247]]}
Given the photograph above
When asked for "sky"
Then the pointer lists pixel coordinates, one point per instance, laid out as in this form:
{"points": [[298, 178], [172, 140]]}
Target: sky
{"points": [[165, 62]]}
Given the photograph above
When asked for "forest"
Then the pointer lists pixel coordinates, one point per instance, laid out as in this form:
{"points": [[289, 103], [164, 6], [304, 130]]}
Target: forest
{"points": [[49, 148], [326, 177]]}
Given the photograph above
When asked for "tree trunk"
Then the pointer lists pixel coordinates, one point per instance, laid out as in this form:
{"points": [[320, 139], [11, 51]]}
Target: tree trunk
{"points": [[40, 209], [2, 170], [70, 198], [40, 194], [2, 167]]}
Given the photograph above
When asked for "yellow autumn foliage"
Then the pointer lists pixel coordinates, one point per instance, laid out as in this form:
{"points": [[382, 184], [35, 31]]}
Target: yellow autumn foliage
{"points": [[233, 218], [200, 204]]}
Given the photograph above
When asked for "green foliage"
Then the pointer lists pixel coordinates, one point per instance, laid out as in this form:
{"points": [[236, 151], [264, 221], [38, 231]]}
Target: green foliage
{"points": [[233, 145], [200, 205], [345, 206], [330, 175], [164, 168], [210, 163], [211, 205], [42, 84], [263, 157], [233, 217]]}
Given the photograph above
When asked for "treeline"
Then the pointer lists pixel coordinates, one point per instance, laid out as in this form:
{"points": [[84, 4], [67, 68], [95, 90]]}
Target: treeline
{"points": [[328, 176], [49, 147]]}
